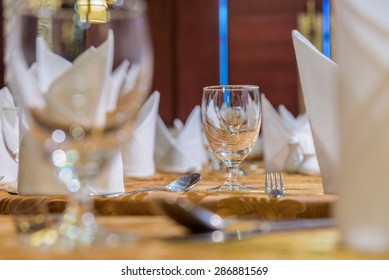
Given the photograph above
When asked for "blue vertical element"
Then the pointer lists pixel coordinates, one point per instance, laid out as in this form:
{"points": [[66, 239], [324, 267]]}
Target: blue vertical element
{"points": [[326, 16], [223, 46]]}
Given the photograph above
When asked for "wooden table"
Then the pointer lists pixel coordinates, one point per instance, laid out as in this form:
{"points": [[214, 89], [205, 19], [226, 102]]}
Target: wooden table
{"points": [[156, 235], [154, 242], [304, 197]]}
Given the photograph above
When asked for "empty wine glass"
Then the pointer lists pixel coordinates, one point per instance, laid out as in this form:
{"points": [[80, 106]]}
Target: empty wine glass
{"points": [[81, 71], [231, 117]]}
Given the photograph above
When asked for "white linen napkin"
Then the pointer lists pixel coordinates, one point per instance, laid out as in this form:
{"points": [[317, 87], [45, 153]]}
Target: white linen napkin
{"points": [[36, 173], [361, 48], [287, 117], [277, 134], [57, 87], [318, 76], [176, 128], [56, 79], [138, 153], [8, 166], [95, 64], [184, 153]]}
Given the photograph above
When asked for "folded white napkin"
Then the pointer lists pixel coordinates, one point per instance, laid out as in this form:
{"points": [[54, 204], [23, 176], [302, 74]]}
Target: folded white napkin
{"points": [[53, 80], [138, 154], [176, 128], [95, 64], [318, 76], [36, 173], [8, 166], [277, 135], [291, 121], [186, 151], [361, 48]]}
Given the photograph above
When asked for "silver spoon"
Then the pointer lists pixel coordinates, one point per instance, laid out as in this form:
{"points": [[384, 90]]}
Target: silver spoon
{"points": [[207, 225], [181, 184]]}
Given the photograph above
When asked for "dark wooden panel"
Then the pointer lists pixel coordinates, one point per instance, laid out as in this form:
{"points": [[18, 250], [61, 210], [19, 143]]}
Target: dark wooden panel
{"points": [[162, 27], [197, 50], [185, 37], [266, 7], [261, 49]]}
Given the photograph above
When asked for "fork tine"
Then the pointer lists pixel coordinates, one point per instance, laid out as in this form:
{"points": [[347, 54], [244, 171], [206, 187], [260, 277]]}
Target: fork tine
{"points": [[276, 181], [274, 184], [282, 183]]}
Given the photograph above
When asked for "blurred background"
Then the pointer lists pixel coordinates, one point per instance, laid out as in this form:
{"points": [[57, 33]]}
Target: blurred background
{"points": [[208, 42]]}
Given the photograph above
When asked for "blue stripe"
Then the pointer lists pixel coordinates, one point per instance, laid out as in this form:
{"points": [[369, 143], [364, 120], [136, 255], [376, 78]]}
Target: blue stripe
{"points": [[223, 42], [326, 14]]}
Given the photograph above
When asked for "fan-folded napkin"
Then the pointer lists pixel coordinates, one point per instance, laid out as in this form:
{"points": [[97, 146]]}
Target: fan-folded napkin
{"points": [[318, 76], [277, 134], [36, 173], [361, 48], [138, 153], [185, 150], [53, 81]]}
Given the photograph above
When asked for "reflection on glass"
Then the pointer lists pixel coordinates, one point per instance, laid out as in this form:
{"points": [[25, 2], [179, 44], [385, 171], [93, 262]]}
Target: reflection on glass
{"points": [[94, 11]]}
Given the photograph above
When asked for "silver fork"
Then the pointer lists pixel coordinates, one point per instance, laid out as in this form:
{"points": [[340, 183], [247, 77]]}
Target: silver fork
{"points": [[274, 184]]}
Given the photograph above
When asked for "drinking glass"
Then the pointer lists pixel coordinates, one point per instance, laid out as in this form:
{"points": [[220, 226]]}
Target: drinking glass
{"points": [[80, 70], [231, 116]]}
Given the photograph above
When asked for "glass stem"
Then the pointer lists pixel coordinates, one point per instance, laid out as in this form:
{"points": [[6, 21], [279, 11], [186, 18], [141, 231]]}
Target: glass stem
{"points": [[232, 179], [78, 226]]}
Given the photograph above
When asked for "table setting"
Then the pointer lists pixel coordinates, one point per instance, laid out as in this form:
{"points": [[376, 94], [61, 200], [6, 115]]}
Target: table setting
{"points": [[92, 171]]}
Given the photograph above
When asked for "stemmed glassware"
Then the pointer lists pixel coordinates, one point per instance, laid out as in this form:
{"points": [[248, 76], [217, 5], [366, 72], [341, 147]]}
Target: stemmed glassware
{"points": [[80, 70], [231, 117]]}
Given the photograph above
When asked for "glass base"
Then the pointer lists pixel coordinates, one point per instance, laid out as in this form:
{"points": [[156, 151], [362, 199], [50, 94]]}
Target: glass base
{"points": [[233, 188], [73, 236]]}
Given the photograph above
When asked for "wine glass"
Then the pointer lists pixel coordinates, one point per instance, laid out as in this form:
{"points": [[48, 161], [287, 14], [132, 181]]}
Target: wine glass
{"points": [[231, 117], [81, 70]]}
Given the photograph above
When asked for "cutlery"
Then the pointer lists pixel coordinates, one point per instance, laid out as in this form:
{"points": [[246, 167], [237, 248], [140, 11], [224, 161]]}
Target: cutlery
{"points": [[181, 184], [206, 225], [276, 185], [10, 190]]}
